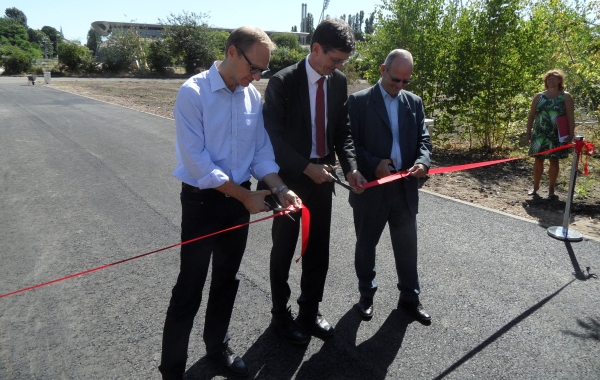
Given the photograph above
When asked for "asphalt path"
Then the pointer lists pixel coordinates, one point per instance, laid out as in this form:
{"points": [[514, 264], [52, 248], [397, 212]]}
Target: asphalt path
{"points": [[85, 183]]}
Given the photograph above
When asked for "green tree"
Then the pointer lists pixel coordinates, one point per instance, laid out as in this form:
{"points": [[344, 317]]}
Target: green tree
{"points": [[93, 40], [369, 28], [123, 51], [17, 15], [40, 39], [13, 33], [310, 27], [53, 35], [188, 38]]}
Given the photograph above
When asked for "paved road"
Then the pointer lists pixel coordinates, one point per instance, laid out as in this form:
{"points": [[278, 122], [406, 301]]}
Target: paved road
{"points": [[84, 183]]}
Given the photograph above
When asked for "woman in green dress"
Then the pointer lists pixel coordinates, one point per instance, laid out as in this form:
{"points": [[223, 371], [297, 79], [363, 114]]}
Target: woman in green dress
{"points": [[545, 108]]}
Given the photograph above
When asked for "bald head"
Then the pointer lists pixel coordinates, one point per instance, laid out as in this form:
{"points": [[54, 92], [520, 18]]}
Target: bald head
{"points": [[399, 56], [396, 71]]}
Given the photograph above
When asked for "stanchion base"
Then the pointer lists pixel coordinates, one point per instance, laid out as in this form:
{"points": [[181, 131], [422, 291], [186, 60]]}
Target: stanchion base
{"points": [[558, 232]]}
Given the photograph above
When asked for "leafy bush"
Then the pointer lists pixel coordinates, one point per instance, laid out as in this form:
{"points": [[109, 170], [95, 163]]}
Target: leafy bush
{"points": [[287, 40], [15, 60], [284, 57], [75, 57], [158, 57]]}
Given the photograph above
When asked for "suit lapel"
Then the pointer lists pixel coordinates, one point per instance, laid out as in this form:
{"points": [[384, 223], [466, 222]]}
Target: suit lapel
{"points": [[304, 95], [379, 103]]}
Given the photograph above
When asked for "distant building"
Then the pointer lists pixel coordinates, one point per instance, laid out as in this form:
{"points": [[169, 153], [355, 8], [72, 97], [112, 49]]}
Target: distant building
{"points": [[104, 28]]}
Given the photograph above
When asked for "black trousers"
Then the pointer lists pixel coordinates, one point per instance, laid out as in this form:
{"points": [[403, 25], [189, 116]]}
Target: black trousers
{"points": [[204, 212], [315, 262]]}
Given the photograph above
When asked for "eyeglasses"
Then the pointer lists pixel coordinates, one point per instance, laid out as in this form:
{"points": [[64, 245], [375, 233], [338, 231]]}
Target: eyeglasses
{"points": [[337, 61], [254, 70], [396, 80]]}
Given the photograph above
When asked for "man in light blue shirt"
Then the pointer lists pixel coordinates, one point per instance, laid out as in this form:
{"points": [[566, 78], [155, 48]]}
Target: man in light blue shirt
{"points": [[220, 142]]}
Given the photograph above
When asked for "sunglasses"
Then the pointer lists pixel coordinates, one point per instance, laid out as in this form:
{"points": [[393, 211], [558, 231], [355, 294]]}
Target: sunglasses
{"points": [[254, 70], [396, 80]]}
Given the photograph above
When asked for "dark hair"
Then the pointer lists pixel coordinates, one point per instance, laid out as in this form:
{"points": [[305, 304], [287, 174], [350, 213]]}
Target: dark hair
{"points": [[246, 36], [334, 34]]}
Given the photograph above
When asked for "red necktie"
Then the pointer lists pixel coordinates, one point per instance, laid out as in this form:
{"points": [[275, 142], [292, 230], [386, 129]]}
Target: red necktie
{"points": [[320, 119]]}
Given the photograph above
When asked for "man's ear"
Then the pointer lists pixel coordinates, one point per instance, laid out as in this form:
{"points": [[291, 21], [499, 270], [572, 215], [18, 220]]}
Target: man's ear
{"points": [[317, 48], [232, 51]]}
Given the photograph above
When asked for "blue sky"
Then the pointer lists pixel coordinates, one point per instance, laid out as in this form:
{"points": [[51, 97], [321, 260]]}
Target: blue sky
{"points": [[75, 17]]}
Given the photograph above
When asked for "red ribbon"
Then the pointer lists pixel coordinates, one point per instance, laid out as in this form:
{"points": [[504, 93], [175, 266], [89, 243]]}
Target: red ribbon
{"points": [[286, 211], [305, 230], [455, 168]]}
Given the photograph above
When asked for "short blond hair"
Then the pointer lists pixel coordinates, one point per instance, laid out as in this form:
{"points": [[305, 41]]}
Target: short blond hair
{"points": [[245, 36], [555, 73]]}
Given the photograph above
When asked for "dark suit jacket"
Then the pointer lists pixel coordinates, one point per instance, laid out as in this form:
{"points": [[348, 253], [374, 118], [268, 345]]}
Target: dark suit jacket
{"points": [[287, 119], [373, 138]]}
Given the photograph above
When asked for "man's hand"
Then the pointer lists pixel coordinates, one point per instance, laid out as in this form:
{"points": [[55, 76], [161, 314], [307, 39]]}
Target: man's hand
{"points": [[288, 198], [318, 173], [418, 170], [254, 201], [383, 170], [356, 180]]}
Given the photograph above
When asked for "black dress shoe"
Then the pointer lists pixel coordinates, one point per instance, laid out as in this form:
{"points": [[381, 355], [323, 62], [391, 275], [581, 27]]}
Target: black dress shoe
{"points": [[287, 328], [365, 306], [316, 325], [416, 310], [232, 363]]}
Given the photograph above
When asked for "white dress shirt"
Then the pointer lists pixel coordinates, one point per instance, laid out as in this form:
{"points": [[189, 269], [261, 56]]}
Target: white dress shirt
{"points": [[220, 134]]}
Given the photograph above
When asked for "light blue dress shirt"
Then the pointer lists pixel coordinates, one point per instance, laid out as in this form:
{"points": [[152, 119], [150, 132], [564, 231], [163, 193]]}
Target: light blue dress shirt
{"points": [[391, 104], [220, 135]]}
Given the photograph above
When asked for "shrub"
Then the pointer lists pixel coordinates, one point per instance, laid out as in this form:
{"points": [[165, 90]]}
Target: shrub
{"points": [[75, 57], [15, 60], [287, 40], [284, 57], [158, 57]]}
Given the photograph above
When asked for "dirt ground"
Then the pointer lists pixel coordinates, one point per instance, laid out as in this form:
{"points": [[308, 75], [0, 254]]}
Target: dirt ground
{"points": [[501, 187]]}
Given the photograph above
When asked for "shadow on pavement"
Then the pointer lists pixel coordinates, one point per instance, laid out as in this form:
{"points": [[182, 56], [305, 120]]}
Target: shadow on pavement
{"points": [[340, 357], [501, 332]]}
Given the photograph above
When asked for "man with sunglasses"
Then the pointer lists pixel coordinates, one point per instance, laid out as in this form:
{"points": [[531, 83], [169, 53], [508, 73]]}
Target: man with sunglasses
{"points": [[388, 126], [306, 117], [220, 141]]}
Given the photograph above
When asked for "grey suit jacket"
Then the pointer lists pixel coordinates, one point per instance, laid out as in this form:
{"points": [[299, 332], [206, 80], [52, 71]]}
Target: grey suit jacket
{"points": [[287, 119], [372, 133]]}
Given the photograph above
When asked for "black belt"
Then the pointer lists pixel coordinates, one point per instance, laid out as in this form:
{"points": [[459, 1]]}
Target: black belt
{"points": [[212, 192], [321, 160]]}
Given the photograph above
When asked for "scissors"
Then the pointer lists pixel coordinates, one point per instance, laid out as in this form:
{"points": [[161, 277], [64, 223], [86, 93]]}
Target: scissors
{"points": [[337, 179], [272, 203]]}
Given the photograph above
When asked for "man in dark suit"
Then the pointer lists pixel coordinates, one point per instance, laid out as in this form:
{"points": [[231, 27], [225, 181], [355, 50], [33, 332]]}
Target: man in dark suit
{"points": [[388, 125], [306, 117]]}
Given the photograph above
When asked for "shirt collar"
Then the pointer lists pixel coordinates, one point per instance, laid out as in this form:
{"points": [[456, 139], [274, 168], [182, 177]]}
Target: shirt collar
{"points": [[384, 92], [216, 81], [312, 75]]}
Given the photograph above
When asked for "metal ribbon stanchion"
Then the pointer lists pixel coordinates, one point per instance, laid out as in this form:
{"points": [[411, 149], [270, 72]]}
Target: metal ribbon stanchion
{"points": [[563, 232]]}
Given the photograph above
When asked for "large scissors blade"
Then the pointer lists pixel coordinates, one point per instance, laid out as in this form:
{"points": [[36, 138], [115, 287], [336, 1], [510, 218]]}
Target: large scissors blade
{"points": [[337, 179]]}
